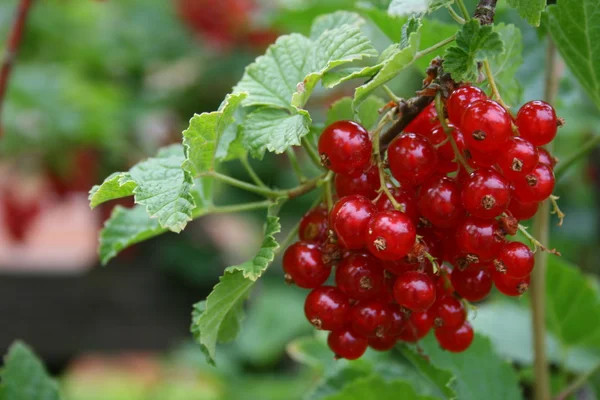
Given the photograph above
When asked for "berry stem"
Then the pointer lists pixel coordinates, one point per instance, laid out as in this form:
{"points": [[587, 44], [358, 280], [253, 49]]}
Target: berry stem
{"points": [[238, 207], [312, 153], [435, 265], [577, 383], [586, 148], [556, 209], [251, 172], [390, 94], [490, 77], [436, 46], [295, 165], [455, 16], [536, 243], [439, 107], [328, 191], [463, 10]]}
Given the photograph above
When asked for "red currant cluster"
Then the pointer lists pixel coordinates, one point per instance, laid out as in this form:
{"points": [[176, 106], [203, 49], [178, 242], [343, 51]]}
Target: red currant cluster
{"points": [[457, 192]]}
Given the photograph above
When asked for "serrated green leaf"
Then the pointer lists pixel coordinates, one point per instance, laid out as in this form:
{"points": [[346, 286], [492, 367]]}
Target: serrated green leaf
{"points": [[24, 377], [473, 43], [337, 76], [209, 136], [413, 25], [367, 114], [332, 21], [531, 10], [409, 7], [575, 28], [505, 65], [116, 186], [375, 388], [274, 130]]}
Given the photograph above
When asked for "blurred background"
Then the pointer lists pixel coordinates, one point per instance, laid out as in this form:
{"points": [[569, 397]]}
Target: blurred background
{"points": [[99, 85]]}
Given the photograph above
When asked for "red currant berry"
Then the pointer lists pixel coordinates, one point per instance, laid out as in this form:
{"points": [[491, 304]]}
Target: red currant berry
{"points": [[327, 308], [412, 158], [313, 225], [522, 210], [303, 265], [418, 326], [345, 147], [346, 344], [425, 121], [518, 159], [510, 286], [384, 343], [477, 159], [546, 158], [535, 186], [445, 152], [486, 126], [440, 202], [515, 260], [360, 276], [537, 122], [443, 286], [399, 320], [460, 100], [472, 284], [485, 193], [390, 235], [404, 198], [481, 238], [349, 219], [448, 313], [371, 318], [455, 341], [365, 184], [414, 290]]}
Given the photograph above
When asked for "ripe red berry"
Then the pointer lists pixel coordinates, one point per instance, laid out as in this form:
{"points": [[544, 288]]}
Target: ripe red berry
{"points": [[418, 326], [425, 121], [349, 219], [303, 265], [472, 284], [346, 344], [399, 320], [440, 202], [404, 198], [360, 276], [390, 235], [537, 122], [412, 158], [477, 159], [327, 308], [365, 184], [481, 238], [535, 186], [414, 291], [460, 99], [313, 225], [371, 318], [486, 126], [443, 286], [546, 158], [445, 152], [522, 210], [383, 343], [510, 286], [515, 260], [455, 341], [345, 147], [448, 313], [485, 193], [518, 158]]}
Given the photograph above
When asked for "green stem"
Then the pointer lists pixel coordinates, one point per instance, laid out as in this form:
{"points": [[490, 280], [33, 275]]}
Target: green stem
{"points": [[455, 16], [253, 175], [263, 191], [378, 159], [490, 78], [436, 46], [463, 10], [328, 191], [577, 384], [564, 165], [240, 207], [289, 238], [390, 94], [439, 106], [312, 154], [295, 165], [305, 187]]}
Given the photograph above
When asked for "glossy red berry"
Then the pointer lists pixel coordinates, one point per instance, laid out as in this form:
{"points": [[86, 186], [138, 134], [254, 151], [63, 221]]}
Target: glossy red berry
{"points": [[445, 152], [349, 219], [510, 286], [412, 158], [390, 235], [443, 286], [535, 186], [546, 158], [522, 210], [399, 320], [477, 159], [486, 126], [418, 326], [345, 147], [518, 158], [313, 225], [455, 341], [472, 284], [460, 99], [383, 343], [425, 121], [371, 318], [516, 260], [346, 344], [414, 291], [485, 193], [360, 276], [448, 313], [405, 198], [537, 122], [303, 265], [440, 202], [482, 238], [327, 308], [365, 184]]}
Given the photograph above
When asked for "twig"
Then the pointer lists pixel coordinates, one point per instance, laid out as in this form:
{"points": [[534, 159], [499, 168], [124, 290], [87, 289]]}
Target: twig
{"points": [[556, 209], [12, 47], [485, 11], [408, 110], [577, 384]]}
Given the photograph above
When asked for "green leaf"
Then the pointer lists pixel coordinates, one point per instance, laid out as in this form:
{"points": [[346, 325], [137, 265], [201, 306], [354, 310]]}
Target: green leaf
{"points": [[332, 21], [443, 379], [313, 351], [409, 7], [575, 28], [390, 25], [531, 10], [209, 136], [367, 115], [505, 65], [24, 377], [473, 43], [337, 76], [375, 388], [117, 185], [479, 372], [254, 268]]}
